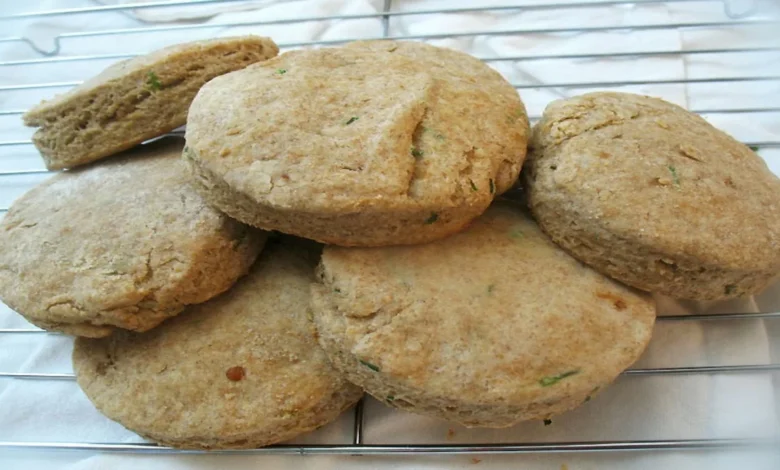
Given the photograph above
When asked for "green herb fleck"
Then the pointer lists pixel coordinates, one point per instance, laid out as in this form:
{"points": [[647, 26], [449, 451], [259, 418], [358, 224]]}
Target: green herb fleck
{"points": [[417, 153], [516, 234], [351, 120], [433, 218], [754, 148], [490, 288], [675, 177], [281, 71], [492, 187], [336, 289], [730, 289], [554, 379], [547, 422], [473, 186], [587, 399], [370, 366], [390, 398], [153, 81]]}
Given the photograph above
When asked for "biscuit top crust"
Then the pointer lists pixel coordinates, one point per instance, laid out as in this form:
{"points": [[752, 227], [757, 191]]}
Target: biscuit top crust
{"points": [[497, 311], [104, 242], [372, 124], [136, 67]]}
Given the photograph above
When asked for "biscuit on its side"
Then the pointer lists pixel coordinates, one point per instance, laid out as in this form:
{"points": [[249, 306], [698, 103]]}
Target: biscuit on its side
{"points": [[654, 196], [135, 100], [489, 327], [371, 144], [125, 243], [241, 371]]}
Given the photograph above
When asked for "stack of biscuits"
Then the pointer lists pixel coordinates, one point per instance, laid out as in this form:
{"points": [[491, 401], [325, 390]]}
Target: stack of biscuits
{"points": [[332, 225]]}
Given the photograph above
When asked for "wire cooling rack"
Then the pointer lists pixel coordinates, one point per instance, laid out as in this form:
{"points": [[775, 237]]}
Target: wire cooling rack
{"points": [[732, 15]]}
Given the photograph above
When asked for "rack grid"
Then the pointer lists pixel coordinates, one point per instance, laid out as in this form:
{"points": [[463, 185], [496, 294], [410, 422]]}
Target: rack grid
{"points": [[749, 17]]}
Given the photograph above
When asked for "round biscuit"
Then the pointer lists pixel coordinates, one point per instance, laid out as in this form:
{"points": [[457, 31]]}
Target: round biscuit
{"points": [[242, 370], [489, 327], [654, 196], [375, 143], [123, 244]]}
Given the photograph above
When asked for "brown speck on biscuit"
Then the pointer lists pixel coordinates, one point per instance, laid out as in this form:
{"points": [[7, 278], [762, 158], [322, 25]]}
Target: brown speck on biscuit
{"points": [[618, 302], [102, 367], [235, 374]]}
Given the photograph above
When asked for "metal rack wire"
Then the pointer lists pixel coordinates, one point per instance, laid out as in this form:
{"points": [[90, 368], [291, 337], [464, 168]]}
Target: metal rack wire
{"points": [[750, 17]]}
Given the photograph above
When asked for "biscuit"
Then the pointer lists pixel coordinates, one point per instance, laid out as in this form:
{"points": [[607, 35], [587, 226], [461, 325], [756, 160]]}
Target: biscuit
{"points": [[375, 143], [243, 370], [489, 327], [654, 196], [135, 100], [125, 244]]}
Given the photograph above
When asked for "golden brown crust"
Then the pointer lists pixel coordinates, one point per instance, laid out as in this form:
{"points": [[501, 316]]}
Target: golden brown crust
{"points": [[123, 244], [136, 99], [654, 196], [240, 371], [375, 143], [488, 327]]}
